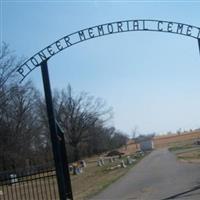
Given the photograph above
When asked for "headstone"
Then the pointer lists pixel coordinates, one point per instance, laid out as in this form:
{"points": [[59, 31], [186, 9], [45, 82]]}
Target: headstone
{"points": [[83, 163], [102, 161], [79, 170], [129, 160], [13, 178], [142, 153], [111, 159], [122, 164], [71, 168], [75, 169], [99, 163]]}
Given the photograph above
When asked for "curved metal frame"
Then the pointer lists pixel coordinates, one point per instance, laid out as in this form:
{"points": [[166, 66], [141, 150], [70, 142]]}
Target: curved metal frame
{"points": [[103, 30]]}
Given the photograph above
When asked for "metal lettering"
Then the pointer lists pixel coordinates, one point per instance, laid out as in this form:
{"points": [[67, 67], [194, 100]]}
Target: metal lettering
{"points": [[135, 25], [180, 28], [169, 26], [144, 27], [90, 32], [128, 26], [58, 45], [110, 28], [34, 61], [28, 67], [67, 41], [100, 30], [159, 24], [119, 27], [81, 35], [21, 71], [189, 29], [42, 55], [50, 50]]}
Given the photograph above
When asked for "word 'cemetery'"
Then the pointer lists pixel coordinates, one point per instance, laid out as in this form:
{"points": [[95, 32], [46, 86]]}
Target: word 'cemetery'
{"points": [[102, 30]]}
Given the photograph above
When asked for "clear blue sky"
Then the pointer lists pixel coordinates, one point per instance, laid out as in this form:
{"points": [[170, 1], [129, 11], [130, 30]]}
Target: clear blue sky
{"points": [[152, 80]]}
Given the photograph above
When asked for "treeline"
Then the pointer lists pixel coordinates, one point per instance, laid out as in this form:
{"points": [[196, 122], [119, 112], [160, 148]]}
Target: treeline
{"points": [[24, 131]]}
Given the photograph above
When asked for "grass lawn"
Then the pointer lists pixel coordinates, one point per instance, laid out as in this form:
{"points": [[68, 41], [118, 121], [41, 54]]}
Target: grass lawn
{"points": [[94, 179], [189, 151], [180, 146], [84, 186]]}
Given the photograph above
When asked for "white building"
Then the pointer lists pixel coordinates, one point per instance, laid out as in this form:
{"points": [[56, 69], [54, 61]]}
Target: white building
{"points": [[146, 142]]}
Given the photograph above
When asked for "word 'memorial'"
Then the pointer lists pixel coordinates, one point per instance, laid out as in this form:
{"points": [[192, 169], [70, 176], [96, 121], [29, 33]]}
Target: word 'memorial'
{"points": [[102, 30]]}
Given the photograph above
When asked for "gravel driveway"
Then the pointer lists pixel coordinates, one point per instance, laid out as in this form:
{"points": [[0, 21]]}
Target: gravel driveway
{"points": [[159, 176]]}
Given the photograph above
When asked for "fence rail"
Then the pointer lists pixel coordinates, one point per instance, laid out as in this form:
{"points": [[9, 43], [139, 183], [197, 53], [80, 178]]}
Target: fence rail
{"points": [[29, 184]]}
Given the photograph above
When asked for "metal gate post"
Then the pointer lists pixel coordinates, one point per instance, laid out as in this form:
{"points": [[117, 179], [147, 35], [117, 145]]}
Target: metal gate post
{"points": [[65, 163], [59, 151], [199, 44]]}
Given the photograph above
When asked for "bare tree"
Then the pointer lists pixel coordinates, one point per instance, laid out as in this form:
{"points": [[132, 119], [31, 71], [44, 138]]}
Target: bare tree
{"points": [[18, 125], [24, 130], [77, 114], [135, 132], [8, 65]]}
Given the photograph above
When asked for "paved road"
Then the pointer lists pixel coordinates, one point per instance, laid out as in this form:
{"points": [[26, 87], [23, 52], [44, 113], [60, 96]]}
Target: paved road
{"points": [[159, 176]]}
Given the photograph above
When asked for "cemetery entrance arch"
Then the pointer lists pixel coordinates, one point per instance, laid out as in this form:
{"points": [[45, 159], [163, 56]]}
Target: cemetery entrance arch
{"points": [[41, 58]]}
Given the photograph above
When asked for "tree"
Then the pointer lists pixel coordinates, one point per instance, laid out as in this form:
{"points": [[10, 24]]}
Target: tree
{"points": [[8, 65], [19, 128], [78, 114], [135, 132], [24, 128], [18, 125]]}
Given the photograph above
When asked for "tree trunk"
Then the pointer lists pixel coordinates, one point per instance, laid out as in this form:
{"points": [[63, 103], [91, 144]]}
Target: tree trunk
{"points": [[76, 153]]}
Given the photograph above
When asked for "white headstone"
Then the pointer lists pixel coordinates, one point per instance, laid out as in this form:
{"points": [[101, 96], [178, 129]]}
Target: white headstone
{"points": [[123, 164], [102, 161], [70, 168], [13, 178], [99, 163], [83, 163], [129, 160]]}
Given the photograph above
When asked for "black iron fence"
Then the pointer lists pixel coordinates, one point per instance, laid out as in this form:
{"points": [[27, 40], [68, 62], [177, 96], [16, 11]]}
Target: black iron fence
{"points": [[34, 183]]}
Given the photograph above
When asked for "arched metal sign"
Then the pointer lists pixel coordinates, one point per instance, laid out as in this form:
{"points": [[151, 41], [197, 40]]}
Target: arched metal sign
{"points": [[41, 58], [103, 30]]}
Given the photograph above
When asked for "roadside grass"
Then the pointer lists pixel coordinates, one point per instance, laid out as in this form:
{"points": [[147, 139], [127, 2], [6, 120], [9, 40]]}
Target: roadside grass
{"points": [[187, 151], [94, 179], [190, 155], [179, 146], [85, 185]]}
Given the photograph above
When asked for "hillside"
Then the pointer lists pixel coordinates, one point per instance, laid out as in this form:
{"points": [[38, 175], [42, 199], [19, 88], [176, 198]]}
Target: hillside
{"points": [[162, 141]]}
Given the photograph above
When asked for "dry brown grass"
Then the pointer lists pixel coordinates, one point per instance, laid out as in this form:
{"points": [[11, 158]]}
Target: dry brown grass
{"points": [[190, 153], [88, 183], [94, 179], [169, 140], [164, 141]]}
